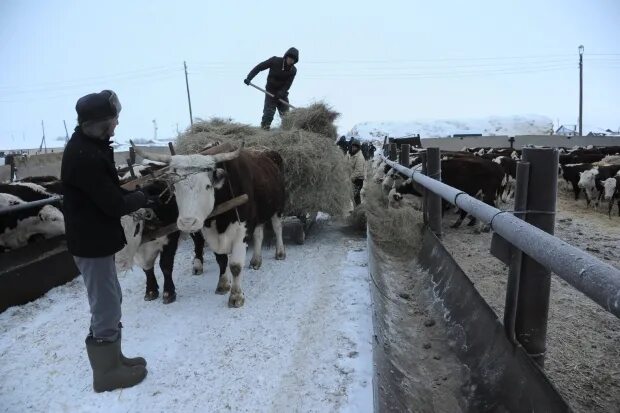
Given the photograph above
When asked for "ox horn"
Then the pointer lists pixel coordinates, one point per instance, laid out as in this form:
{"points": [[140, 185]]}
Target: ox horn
{"points": [[152, 156], [228, 156]]}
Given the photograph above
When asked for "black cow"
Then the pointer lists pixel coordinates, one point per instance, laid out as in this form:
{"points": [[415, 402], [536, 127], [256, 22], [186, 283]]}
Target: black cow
{"points": [[469, 174], [571, 174], [165, 247]]}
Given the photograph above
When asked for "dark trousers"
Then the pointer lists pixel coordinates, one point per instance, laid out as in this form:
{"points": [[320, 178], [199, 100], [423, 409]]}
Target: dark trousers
{"points": [[358, 183], [269, 110]]}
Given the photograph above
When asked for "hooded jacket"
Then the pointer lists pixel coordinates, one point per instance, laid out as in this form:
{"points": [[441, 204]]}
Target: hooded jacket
{"points": [[280, 77]]}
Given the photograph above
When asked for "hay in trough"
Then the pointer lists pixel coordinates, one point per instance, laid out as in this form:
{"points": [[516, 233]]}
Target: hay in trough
{"points": [[315, 172], [318, 118], [398, 230]]}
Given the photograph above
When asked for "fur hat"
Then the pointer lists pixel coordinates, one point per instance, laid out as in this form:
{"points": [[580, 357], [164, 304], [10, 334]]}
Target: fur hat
{"points": [[98, 107]]}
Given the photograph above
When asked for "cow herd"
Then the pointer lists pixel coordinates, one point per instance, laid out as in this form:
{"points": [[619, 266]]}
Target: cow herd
{"points": [[490, 174]]}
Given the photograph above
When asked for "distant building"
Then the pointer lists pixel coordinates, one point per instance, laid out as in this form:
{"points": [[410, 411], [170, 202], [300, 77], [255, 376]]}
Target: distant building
{"points": [[606, 132], [567, 130]]}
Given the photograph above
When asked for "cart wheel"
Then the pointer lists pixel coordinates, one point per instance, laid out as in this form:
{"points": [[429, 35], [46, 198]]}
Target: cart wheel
{"points": [[300, 236]]}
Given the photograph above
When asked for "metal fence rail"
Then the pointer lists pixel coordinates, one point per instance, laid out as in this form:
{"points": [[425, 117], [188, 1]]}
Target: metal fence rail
{"points": [[29, 205], [593, 277]]}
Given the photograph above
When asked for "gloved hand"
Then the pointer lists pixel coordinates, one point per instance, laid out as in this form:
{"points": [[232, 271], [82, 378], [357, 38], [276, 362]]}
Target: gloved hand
{"points": [[153, 202], [152, 196], [246, 81], [282, 94]]}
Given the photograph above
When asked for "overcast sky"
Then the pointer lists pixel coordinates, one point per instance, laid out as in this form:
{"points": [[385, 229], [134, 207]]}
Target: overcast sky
{"points": [[384, 60]]}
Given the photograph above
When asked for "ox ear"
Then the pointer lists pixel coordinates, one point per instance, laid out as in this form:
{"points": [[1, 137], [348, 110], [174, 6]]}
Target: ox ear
{"points": [[219, 177]]}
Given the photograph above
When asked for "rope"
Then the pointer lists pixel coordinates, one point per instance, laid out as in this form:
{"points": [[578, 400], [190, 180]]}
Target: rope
{"points": [[232, 193]]}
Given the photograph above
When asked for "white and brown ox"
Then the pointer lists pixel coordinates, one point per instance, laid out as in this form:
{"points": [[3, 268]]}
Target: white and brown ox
{"points": [[203, 181]]}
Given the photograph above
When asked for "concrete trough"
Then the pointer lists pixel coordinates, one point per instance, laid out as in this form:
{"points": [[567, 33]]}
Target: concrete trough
{"points": [[439, 346], [28, 273]]}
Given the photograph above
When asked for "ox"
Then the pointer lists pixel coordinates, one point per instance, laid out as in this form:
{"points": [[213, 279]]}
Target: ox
{"points": [[145, 254], [204, 181]]}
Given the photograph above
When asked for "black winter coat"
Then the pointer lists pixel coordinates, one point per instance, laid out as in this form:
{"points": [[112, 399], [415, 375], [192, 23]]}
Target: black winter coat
{"points": [[280, 77], [93, 199]]}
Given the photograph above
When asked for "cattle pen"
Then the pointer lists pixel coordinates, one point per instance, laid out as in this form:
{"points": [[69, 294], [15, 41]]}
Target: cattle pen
{"points": [[500, 375], [438, 344]]}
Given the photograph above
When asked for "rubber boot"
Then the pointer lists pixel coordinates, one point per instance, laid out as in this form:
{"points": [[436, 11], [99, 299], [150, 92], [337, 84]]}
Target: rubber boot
{"points": [[108, 371], [133, 361]]}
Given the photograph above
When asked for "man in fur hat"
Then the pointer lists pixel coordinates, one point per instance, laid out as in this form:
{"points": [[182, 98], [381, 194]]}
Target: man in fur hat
{"points": [[282, 72], [93, 205]]}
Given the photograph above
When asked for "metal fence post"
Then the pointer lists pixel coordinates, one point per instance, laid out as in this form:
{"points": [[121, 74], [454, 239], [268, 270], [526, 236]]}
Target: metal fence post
{"points": [[516, 256], [433, 205], [534, 279], [423, 158], [10, 160], [403, 156], [393, 152]]}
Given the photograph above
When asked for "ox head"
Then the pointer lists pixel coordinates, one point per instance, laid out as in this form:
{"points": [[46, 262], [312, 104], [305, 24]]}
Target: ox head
{"points": [[196, 177]]}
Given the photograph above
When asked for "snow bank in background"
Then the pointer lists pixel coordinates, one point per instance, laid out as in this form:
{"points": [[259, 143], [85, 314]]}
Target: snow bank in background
{"points": [[301, 343], [493, 125]]}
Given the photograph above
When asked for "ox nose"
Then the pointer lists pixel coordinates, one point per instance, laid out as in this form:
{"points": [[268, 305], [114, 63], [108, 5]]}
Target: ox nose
{"points": [[187, 223]]}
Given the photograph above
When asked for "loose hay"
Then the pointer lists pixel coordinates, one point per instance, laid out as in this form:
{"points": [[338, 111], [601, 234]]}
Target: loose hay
{"points": [[315, 172], [318, 118], [398, 230]]}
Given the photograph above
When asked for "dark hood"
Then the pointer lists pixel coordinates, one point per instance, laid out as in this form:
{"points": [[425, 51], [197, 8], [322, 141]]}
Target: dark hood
{"points": [[292, 52]]}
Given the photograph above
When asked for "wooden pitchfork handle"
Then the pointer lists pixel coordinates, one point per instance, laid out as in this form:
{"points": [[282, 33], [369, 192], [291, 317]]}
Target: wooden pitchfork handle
{"points": [[272, 95], [218, 210]]}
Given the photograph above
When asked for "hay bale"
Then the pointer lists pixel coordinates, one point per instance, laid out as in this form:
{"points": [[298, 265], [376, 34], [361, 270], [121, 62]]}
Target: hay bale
{"points": [[315, 172], [318, 118]]}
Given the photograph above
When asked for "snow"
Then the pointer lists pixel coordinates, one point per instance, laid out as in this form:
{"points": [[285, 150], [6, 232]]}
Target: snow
{"points": [[443, 128], [301, 343]]}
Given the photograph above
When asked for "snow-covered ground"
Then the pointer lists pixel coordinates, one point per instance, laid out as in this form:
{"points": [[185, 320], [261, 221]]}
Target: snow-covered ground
{"points": [[301, 343], [443, 128]]}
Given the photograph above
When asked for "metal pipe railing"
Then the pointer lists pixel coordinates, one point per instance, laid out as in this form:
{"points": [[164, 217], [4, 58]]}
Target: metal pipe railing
{"points": [[594, 278], [28, 205]]}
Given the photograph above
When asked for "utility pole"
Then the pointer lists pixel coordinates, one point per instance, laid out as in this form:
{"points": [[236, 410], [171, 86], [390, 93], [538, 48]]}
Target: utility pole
{"points": [[66, 133], [43, 143], [189, 100], [581, 90]]}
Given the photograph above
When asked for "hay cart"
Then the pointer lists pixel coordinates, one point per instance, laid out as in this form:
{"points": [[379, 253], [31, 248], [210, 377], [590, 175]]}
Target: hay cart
{"points": [[301, 224]]}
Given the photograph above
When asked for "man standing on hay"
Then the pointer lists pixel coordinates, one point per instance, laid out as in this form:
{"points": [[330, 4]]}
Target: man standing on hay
{"points": [[357, 168], [282, 72], [93, 205]]}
